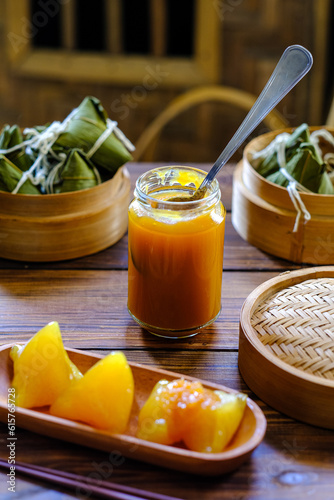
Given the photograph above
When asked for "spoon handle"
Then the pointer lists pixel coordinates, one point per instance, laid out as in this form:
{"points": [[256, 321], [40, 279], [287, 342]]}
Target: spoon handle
{"points": [[295, 62]]}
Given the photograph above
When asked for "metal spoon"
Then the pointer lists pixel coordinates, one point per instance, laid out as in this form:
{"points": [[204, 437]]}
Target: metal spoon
{"points": [[295, 62]]}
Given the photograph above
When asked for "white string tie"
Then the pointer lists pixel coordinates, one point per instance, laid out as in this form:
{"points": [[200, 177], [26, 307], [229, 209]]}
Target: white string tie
{"points": [[111, 127], [122, 137], [329, 157], [324, 134], [43, 141], [53, 176], [273, 146], [291, 179], [298, 204], [42, 172], [108, 131]]}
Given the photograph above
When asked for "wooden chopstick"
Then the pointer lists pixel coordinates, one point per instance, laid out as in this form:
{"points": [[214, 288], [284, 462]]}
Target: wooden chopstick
{"points": [[99, 488]]}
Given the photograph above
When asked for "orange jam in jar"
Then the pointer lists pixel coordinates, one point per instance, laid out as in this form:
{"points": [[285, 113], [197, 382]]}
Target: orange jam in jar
{"points": [[175, 253]]}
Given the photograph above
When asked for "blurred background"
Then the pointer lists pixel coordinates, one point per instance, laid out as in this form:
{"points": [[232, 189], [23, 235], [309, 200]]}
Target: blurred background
{"points": [[137, 56]]}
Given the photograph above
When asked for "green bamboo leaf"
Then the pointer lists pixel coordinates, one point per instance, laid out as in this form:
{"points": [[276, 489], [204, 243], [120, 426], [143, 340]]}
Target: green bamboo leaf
{"points": [[269, 165], [77, 173], [326, 186], [10, 175], [10, 137], [304, 167], [83, 131]]}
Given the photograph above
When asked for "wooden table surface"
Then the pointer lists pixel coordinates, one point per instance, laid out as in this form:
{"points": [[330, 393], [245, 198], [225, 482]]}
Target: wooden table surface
{"points": [[88, 297]]}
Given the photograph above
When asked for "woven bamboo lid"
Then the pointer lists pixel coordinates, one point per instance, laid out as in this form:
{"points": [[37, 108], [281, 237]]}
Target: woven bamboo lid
{"points": [[286, 352]]}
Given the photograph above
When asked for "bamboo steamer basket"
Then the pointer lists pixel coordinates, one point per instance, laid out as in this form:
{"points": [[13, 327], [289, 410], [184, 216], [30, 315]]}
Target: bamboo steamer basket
{"points": [[264, 215], [286, 351], [54, 227]]}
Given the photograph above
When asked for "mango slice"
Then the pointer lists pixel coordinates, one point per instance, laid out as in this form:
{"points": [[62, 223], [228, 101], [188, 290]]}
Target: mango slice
{"points": [[102, 398], [185, 411], [42, 368], [163, 417], [214, 425]]}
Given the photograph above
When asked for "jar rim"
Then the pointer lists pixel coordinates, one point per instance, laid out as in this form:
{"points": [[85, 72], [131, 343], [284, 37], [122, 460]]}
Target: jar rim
{"points": [[213, 193]]}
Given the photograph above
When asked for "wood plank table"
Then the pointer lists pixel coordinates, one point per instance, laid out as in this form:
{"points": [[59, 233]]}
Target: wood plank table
{"points": [[88, 298]]}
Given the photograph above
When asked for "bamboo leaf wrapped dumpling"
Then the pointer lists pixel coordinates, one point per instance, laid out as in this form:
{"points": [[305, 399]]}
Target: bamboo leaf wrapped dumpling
{"points": [[305, 167], [85, 128], [269, 162], [10, 175], [77, 173], [10, 137], [298, 157]]}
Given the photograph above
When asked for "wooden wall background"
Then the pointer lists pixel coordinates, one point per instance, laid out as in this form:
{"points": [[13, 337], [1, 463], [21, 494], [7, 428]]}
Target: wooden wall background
{"points": [[253, 35]]}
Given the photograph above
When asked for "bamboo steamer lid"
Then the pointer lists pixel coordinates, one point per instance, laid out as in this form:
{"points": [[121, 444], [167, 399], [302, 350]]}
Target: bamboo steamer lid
{"points": [[54, 227], [286, 351], [264, 215]]}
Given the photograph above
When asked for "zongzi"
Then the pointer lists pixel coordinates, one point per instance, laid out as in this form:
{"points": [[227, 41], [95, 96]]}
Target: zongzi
{"points": [[87, 148], [77, 173], [297, 158], [10, 175], [85, 128], [11, 137]]}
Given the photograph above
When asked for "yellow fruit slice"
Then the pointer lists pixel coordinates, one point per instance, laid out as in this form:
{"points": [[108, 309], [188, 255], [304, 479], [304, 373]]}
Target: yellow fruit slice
{"points": [[154, 417], [164, 416], [214, 425], [181, 410], [102, 397], [42, 368]]}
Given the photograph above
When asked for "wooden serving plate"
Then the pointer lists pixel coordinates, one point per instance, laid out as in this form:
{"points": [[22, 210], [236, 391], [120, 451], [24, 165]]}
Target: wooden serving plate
{"points": [[248, 436]]}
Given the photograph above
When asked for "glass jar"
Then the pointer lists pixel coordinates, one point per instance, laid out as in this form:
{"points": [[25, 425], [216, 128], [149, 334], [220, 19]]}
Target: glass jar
{"points": [[175, 253]]}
